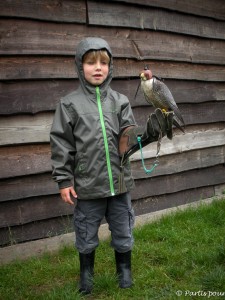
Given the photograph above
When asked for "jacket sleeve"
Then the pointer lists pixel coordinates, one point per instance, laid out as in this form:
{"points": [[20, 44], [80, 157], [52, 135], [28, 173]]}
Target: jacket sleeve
{"points": [[127, 117], [62, 147]]}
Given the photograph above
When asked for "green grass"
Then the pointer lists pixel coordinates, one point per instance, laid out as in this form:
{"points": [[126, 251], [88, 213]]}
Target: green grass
{"points": [[184, 251]]}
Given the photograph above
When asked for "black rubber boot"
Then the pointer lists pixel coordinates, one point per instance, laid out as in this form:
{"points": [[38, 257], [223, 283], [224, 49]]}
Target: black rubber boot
{"points": [[123, 269], [86, 272]]}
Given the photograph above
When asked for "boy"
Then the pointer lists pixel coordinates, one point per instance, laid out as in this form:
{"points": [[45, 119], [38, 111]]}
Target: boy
{"points": [[85, 135]]}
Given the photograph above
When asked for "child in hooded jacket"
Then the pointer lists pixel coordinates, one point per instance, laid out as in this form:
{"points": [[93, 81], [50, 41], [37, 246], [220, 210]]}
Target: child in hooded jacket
{"points": [[87, 127]]}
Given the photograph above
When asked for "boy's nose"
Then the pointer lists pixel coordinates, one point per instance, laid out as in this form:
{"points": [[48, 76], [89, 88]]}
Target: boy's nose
{"points": [[98, 65]]}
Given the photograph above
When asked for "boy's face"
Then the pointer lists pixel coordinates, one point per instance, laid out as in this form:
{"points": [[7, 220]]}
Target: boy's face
{"points": [[96, 70]]}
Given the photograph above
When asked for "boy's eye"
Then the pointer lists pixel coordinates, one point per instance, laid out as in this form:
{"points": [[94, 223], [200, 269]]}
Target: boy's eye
{"points": [[90, 62]]}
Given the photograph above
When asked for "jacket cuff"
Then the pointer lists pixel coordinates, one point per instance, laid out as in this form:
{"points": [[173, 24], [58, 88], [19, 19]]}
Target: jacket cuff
{"points": [[64, 184]]}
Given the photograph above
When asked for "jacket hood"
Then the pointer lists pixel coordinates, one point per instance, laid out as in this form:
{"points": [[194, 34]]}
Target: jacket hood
{"points": [[92, 43]]}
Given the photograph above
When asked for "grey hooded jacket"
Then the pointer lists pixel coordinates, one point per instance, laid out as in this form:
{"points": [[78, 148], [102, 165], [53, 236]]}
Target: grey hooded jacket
{"points": [[85, 132]]}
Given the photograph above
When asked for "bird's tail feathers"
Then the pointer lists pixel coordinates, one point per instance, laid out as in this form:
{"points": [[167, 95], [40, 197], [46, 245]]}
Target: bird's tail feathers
{"points": [[176, 123]]}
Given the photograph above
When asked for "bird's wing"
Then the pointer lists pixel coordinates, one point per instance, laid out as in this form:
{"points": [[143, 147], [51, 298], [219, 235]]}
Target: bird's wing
{"points": [[166, 97]]}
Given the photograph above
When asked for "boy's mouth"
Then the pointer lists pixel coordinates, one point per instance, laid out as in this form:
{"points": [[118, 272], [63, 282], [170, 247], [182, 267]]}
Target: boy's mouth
{"points": [[97, 75]]}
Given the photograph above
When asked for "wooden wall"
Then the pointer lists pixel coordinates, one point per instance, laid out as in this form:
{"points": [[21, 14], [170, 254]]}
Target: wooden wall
{"points": [[182, 41]]}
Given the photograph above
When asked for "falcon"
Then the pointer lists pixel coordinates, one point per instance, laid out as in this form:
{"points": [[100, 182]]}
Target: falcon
{"points": [[158, 94]]}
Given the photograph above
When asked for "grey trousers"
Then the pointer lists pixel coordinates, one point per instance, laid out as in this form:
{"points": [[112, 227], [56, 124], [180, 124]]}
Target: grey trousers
{"points": [[118, 213]]}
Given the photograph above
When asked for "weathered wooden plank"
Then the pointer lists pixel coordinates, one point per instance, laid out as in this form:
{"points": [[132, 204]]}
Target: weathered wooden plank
{"points": [[22, 129], [51, 39], [165, 46], [51, 10], [200, 113], [180, 162], [213, 10], [25, 129], [171, 70], [33, 96], [153, 18], [51, 227], [155, 203], [29, 210], [33, 67], [28, 186], [36, 230], [26, 160], [204, 112], [38, 96], [42, 184], [36, 67], [191, 140], [173, 183], [74, 11]]}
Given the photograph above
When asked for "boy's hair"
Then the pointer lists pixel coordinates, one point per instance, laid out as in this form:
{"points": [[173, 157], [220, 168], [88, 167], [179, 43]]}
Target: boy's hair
{"points": [[95, 54]]}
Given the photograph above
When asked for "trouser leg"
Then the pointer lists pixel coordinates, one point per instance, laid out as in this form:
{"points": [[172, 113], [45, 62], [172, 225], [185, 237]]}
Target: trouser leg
{"points": [[120, 217], [88, 215], [87, 218]]}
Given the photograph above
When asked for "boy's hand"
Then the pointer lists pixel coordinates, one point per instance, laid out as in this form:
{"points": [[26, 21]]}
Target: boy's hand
{"points": [[66, 194]]}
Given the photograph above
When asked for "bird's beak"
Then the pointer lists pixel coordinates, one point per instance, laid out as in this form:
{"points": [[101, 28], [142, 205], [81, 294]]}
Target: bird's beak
{"points": [[142, 75]]}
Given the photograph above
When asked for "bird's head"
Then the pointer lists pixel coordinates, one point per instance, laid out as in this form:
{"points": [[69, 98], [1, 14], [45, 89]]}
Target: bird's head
{"points": [[146, 75]]}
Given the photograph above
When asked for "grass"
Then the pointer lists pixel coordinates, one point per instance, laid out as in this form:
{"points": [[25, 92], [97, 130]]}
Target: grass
{"points": [[182, 252]]}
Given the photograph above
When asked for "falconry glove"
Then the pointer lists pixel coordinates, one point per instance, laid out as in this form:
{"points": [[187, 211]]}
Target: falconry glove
{"points": [[158, 125]]}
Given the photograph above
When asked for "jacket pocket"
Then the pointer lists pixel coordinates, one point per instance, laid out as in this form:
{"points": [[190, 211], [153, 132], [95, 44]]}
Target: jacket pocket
{"points": [[80, 166], [80, 224]]}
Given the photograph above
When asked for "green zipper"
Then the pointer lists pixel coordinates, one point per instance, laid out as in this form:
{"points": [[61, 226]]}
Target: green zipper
{"points": [[105, 142]]}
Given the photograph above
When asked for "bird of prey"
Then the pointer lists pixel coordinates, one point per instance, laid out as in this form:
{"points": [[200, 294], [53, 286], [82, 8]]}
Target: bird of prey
{"points": [[159, 95]]}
